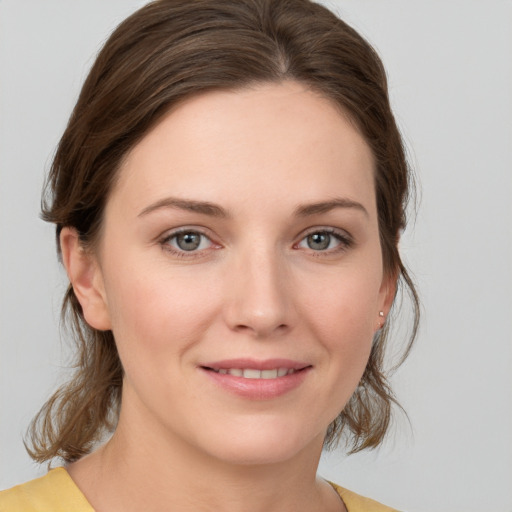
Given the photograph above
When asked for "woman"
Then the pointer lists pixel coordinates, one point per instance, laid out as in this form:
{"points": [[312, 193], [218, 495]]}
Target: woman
{"points": [[228, 197]]}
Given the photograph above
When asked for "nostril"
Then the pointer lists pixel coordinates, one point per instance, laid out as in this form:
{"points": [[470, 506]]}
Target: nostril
{"points": [[260, 330], [249, 312]]}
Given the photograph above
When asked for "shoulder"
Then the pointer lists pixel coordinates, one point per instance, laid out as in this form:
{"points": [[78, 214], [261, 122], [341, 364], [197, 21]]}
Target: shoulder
{"points": [[356, 503], [55, 491]]}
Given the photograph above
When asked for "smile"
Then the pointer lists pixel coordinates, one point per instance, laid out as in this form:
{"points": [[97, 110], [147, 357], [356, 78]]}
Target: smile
{"points": [[252, 373], [257, 379]]}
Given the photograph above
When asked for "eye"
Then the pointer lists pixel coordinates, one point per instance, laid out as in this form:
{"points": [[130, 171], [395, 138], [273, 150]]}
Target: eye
{"points": [[187, 241], [325, 240]]}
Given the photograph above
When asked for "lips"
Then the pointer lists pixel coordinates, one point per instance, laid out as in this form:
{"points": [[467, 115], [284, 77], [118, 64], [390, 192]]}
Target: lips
{"points": [[257, 380], [253, 373], [256, 369]]}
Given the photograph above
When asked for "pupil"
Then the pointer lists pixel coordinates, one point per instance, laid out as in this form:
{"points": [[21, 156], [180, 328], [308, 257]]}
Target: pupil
{"points": [[188, 241], [319, 241]]}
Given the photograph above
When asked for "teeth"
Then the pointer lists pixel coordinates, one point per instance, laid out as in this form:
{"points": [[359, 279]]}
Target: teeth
{"points": [[268, 374], [251, 373]]}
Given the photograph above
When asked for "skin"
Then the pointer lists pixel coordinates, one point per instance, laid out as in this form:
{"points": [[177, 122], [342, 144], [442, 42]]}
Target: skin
{"points": [[254, 288]]}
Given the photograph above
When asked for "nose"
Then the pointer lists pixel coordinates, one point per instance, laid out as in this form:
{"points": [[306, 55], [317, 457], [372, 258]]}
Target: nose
{"points": [[259, 300]]}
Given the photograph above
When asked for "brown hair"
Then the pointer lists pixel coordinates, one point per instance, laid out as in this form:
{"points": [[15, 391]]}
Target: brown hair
{"points": [[170, 50]]}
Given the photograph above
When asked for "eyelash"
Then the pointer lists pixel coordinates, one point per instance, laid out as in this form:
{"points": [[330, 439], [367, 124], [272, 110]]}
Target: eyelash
{"points": [[180, 253], [344, 239]]}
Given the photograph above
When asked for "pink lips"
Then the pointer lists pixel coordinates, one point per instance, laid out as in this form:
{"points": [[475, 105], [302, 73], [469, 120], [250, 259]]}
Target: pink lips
{"points": [[257, 380]]}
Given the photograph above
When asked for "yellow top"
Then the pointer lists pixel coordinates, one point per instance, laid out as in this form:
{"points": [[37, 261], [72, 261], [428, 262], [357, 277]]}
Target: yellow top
{"points": [[56, 492]]}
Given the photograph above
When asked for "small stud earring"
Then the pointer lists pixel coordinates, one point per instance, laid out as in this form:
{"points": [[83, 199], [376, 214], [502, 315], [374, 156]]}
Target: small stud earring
{"points": [[381, 322]]}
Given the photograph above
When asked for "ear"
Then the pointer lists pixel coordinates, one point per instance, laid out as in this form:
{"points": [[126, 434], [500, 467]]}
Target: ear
{"points": [[86, 278], [387, 294]]}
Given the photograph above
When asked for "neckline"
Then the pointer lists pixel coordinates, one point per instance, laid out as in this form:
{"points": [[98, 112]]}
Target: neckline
{"points": [[69, 493]]}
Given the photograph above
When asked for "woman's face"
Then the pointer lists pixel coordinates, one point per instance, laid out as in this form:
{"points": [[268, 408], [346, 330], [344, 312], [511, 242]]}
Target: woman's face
{"points": [[240, 270]]}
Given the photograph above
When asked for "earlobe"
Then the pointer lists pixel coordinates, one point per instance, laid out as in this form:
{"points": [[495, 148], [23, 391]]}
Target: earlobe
{"points": [[85, 276], [387, 295]]}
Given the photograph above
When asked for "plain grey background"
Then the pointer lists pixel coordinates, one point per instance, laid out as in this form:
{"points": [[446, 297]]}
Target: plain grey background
{"points": [[450, 72]]}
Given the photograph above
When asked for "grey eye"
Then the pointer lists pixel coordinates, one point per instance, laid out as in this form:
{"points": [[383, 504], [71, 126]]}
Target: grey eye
{"points": [[188, 241], [325, 240], [319, 241]]}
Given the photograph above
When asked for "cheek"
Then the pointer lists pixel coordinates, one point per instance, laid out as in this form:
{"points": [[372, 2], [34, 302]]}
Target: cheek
{"points": [[347, 303], [157, 312], [342, 315]]}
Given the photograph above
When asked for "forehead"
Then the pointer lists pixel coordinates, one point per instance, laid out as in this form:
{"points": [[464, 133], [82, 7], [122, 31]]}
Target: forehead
{"points": [[266, 142]]}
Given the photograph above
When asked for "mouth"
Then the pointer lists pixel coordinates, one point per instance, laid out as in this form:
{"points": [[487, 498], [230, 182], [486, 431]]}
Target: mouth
{"points": [[255, 379], [254, 373]]}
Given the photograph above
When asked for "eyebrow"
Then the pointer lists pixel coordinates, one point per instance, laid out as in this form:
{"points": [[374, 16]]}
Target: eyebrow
{"points": [[203, 207], [214, 210], [326, 206]]}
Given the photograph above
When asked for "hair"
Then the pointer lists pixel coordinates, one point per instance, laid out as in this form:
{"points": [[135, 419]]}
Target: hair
{"points": [[168, 51]]}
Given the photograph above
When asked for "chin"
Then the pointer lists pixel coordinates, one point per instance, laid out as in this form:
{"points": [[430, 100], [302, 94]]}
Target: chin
{"points": [[264, 444]]}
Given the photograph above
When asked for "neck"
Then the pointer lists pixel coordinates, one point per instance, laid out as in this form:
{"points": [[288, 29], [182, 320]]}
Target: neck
{"points": [[136, 472]]}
